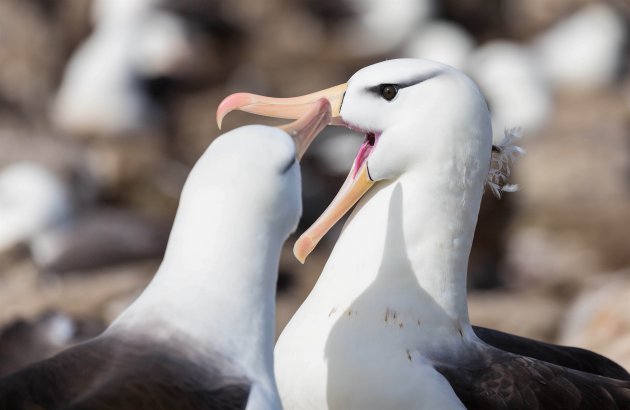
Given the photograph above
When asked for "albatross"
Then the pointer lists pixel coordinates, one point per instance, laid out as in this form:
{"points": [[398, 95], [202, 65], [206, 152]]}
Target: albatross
{"points": [[201, 334], [386, 325]]}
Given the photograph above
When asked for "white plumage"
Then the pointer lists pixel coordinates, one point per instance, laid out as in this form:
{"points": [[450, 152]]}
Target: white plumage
{"points": [[393, 292], [386, 326], [201, 334], [217, 281]]}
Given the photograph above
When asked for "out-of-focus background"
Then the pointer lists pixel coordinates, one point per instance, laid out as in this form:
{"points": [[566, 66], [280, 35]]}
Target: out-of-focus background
{"points": [[106, 104]]}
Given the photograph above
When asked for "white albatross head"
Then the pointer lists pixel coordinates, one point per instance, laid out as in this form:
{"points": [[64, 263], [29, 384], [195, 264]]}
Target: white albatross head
{"points": [[262, 164], [418, 115], [245, 187]]}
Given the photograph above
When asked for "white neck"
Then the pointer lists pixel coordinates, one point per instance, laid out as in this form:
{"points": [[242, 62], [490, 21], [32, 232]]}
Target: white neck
{"points": [[217, 284], [406, 246]]}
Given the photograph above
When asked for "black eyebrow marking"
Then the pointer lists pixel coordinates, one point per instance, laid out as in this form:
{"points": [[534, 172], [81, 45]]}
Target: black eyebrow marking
{"points": [[376, 89]]}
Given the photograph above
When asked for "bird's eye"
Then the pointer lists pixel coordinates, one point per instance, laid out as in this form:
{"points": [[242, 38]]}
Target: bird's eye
{"points": [[389, 91]]}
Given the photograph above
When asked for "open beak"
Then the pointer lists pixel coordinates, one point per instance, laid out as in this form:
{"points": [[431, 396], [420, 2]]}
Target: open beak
{"points": [[304, 130], [290, 108], [311, 112], [355, 186]]}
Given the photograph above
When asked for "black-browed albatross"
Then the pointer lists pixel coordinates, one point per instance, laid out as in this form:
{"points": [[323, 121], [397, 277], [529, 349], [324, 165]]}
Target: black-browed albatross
{"points": [[201, 335], [386, 326]]}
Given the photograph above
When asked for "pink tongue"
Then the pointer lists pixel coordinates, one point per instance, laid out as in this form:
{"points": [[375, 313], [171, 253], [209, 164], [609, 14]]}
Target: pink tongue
{"points": [[364, 152]]}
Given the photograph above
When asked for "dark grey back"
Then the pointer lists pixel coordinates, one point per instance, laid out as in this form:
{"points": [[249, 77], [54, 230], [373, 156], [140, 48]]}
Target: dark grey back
{"points": [[116, 373]]}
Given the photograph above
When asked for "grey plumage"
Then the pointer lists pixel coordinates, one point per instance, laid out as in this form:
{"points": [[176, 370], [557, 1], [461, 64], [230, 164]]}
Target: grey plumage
{"points": [[571, 357], [112, 372], [488, 378]]}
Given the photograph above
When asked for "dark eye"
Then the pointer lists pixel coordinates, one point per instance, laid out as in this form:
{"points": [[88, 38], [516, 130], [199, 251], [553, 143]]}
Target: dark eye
{"points": [[389, 91]]}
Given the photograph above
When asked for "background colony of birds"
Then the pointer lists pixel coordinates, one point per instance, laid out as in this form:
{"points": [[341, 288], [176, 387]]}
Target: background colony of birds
{"points": [[111, 152]]}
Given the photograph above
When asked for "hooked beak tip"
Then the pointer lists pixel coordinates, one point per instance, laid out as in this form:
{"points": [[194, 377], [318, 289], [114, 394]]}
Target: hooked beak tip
{"points": [[221, 113], [231, 103]]}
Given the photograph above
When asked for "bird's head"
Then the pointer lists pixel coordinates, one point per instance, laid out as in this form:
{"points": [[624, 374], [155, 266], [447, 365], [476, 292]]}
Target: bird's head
{"points": [[416, 114], [253, 172]]}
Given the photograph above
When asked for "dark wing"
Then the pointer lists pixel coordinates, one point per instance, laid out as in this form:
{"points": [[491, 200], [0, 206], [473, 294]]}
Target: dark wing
{"points": [[494, 379], [572, 357], [109, 373]]}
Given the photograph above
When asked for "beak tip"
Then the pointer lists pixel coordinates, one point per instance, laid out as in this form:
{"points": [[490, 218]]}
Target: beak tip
{"points": [[219, 120], [302, 248], [229, 104]]}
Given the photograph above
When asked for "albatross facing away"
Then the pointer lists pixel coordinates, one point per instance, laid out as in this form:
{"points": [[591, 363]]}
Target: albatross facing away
{"points": [[386, 326], [201, 335]]}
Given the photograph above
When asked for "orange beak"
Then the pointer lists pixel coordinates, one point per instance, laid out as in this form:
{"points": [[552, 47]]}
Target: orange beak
{"points": [[308, 106], [289, 108], [304, 130], [351, 191]]}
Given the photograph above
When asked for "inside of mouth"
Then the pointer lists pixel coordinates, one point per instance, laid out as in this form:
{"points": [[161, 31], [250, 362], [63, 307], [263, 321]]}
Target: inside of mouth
{"points": [[364, 152]]}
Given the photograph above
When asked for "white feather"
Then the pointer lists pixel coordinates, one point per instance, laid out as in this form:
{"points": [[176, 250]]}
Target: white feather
{"points": [[499, 174]]}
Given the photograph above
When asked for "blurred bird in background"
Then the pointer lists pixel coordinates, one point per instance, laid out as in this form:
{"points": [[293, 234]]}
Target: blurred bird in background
{"points": [[106, 105]]}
